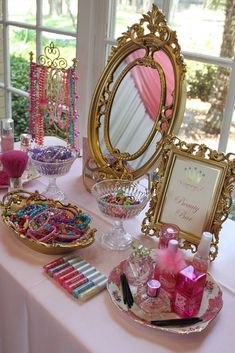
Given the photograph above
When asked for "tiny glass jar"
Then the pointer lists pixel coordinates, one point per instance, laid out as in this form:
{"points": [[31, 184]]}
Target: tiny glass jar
{"points": [[167, 232]]}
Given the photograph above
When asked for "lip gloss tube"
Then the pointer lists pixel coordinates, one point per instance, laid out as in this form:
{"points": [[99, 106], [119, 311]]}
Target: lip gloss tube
{"points": [[91, 283], [73, 272], [98, 287], [57, 262], [72, 287], [68, 269], [63, 265], [81, 281], [79, 274]]}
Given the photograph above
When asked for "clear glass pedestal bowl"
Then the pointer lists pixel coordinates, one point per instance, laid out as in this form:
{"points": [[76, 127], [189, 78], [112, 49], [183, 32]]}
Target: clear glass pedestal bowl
{"points": [[53, 170], [118, 238]]}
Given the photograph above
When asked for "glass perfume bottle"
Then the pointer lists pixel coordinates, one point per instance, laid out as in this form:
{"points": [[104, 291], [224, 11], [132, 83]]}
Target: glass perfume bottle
{"points": [[139, 266], [169, 262], [25, 142], [201, 259], [7, 135], [152, 300], [189, 292], [25, 145], [167, 232]]}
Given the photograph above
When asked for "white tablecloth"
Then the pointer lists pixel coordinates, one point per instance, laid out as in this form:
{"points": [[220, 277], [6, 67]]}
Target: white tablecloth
{"points": [[37, 316]]}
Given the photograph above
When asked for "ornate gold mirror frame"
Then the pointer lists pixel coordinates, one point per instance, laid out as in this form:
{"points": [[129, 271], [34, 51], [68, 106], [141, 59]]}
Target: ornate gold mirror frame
{"points": [[193, 191], [152, 35]]}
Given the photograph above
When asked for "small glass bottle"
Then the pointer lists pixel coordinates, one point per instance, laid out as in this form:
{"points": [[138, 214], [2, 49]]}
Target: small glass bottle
{"points": [[25, 142], [167, 232], [189, 292], [25, 146], [7, 135], [201, 259], [168, 263], [139, 266], [152, 300]]}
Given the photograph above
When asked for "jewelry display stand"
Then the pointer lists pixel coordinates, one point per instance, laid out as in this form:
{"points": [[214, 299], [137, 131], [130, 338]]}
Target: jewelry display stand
{"points": [[53, 98]]}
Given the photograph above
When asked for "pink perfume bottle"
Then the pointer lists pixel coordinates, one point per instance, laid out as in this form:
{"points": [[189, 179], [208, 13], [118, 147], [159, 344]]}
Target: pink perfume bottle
{"points": [[152, 300], [189, 292], [201, 259], [169, 262], [167, 232]]}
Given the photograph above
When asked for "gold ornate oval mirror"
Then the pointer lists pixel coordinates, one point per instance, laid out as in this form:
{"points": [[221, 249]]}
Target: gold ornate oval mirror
{"points": [[139, 98]]}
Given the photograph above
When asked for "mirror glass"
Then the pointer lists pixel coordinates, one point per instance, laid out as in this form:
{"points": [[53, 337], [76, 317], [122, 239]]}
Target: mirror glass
{"points": [[139, 95], [139, 98]]}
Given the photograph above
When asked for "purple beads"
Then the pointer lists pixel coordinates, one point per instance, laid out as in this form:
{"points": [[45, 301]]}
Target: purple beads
{"points": [[51, 154]]}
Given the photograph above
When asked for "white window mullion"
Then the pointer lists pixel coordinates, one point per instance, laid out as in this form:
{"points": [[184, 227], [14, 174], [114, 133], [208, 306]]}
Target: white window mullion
{"points": [[86, 57], [228, 113], [166, 5], [111, 15], [38, 30], [6, 60], [92, 22]]}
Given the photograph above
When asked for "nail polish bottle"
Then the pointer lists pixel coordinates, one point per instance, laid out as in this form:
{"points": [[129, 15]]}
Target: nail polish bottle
{"points": [[189, 292], [167, 232], [201, 259], [151, 299], [168, 263]]}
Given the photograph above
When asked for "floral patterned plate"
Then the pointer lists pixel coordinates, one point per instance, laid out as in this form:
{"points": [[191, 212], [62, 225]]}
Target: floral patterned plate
{"points": [[211, 305]]}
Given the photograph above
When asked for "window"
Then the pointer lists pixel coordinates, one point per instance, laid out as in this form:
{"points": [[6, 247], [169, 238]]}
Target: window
{"points": [[28, 26]]}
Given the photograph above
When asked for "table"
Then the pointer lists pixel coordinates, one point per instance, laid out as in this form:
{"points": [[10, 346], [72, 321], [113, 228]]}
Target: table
{"points": [[36, 316]]}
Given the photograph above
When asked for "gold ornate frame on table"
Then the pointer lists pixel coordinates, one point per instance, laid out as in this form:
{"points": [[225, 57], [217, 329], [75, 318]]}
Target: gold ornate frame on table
{"points": [[189, 167], [152, 35]]}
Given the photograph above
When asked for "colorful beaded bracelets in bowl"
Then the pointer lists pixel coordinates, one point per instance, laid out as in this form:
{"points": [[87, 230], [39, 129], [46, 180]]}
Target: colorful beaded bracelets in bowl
{"points": [[46, 225]]}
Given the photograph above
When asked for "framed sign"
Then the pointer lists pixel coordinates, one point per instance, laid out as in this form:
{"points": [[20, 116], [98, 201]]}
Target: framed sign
{"points": [[193, 191]]}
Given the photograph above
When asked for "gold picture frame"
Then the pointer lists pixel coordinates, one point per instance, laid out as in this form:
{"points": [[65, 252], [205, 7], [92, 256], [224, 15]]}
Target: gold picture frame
{"points": [[193, 191]]}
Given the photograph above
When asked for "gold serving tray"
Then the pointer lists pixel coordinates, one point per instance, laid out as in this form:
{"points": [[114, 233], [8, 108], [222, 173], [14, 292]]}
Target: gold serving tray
{"points": [[13, 201]]}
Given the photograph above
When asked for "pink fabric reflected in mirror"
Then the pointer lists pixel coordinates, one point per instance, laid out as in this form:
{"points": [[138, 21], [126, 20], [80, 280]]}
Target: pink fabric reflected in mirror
{"points": [[147, 81]]}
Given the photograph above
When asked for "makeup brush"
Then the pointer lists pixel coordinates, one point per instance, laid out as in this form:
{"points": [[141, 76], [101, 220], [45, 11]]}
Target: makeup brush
{"points": [[126, 291], [14, 163], [4, 178]]}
